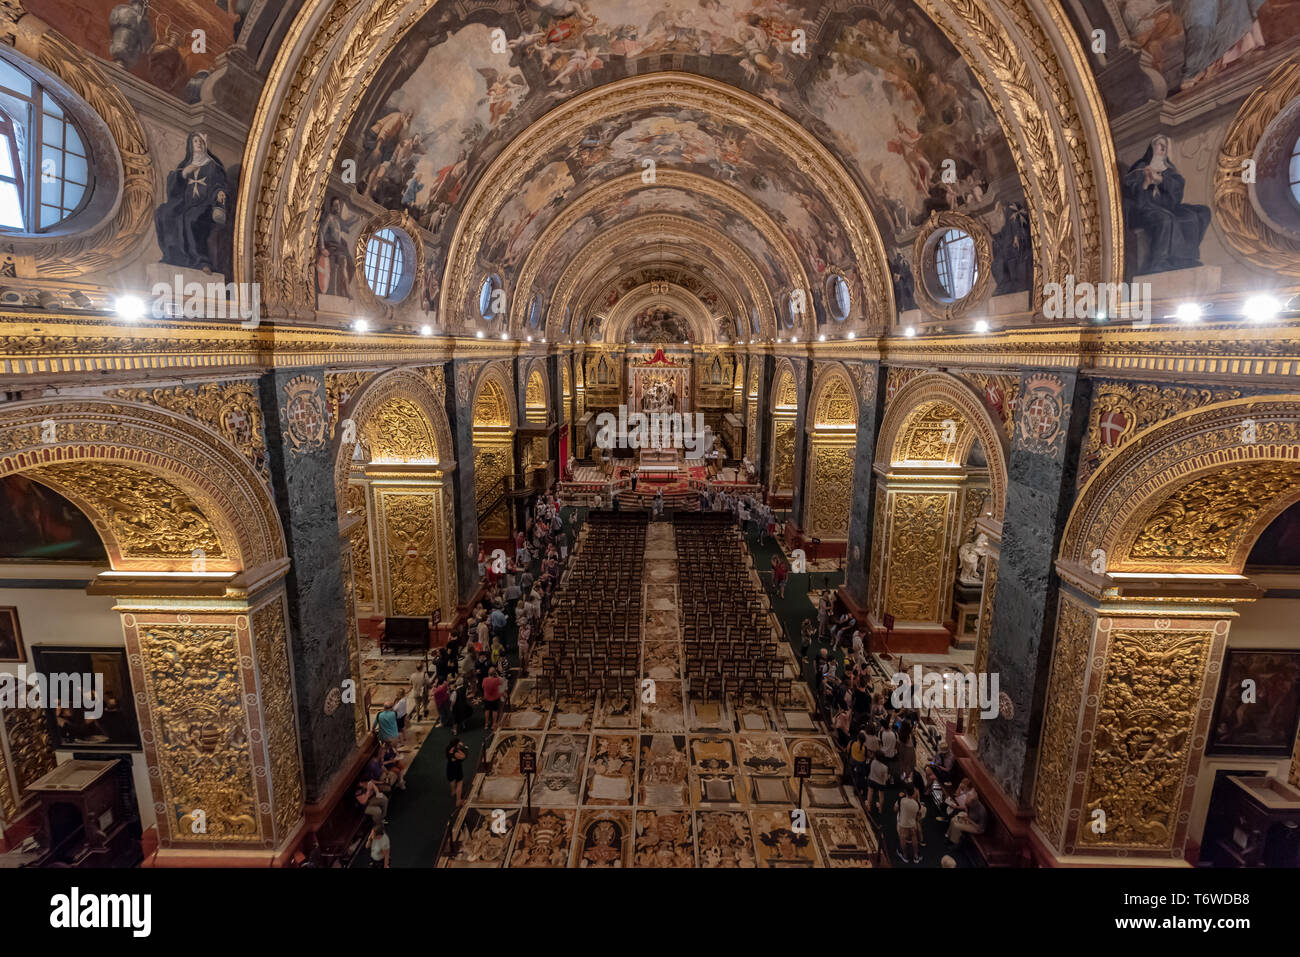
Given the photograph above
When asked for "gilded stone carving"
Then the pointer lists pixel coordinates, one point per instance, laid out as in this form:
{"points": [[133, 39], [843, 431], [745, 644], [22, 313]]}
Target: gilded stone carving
{"points": [[918, 532], [175, 450], [988, 602], [30, 749], [340, 389], [971, 509], [783, 436], [879, 549], [491, 407], [410, 524], [275, 688], [1118, 499], [1070, 657], [1212, 517], [934, 432], [355, 504], [492, 464], [896, 378], [1041, 416], [1001, 395], [1152, 685], [360, 720], [399, 432], [231, 408], [437, 380], [200, 731], [832, 489], [303, 414], [837, 405], [1122, 411], [1235, 214], [146, 516]]}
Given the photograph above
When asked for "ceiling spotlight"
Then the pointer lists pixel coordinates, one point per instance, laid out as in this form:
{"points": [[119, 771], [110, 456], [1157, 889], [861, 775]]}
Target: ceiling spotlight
{"points": [[130, 308], [360, 325], [794, 339], [426, 330], [479, 334], [853, 335], [686, 342], [1188, 312], [981, 325], [505, 336], [1261, 308], [910, 331], [543, 338], [529, 338], [822, 337], [779, 339]]}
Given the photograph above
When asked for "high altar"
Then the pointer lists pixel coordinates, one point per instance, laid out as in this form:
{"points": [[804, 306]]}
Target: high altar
{"points": [[661, 386]]}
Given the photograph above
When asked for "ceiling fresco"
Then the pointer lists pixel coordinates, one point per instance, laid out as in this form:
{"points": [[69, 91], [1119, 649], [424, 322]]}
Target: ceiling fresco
{"points": [[876, 83]]}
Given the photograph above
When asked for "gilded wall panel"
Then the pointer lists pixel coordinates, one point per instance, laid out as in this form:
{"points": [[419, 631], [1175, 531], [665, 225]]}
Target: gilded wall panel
{"points": [[917, 537], [363, 574], [831, 471], [988, 601], [783, 436], [1074, 627], [879, 549], [275, 692], [198, 731], [492, 463], [1153, 681], [411, 525]]}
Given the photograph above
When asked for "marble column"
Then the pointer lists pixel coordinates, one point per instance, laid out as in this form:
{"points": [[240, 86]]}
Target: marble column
{"points": [[766, 370], [301, 459], [803, 389], [1050, 418], [460, 415], [871, 402]]}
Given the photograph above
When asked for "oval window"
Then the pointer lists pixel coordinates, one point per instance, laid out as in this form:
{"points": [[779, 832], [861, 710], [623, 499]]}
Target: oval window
{"points": [[1293, 172], [387, 266], [45, 168], [955, 264], [490, 304], [841, 300], [535, 312]]}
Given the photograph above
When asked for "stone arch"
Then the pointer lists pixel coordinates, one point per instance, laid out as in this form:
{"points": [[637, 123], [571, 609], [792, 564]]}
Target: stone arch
{"points": [[408, 412], [155, 485], [909, 422], [832, 453], [494, 420], [1190, 495], [783, 405], [493, 406], [537, 393]]}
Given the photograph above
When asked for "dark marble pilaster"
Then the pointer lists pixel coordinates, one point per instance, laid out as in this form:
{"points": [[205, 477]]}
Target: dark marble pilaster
{"points": [[803, 391], [871, 407], [1050, 419], [763, 448], [301, 461], [460, 414]]}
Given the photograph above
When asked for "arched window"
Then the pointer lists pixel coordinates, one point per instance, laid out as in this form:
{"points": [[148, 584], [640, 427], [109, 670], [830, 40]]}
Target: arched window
{"points": [[44, 166], [604, 374], [955, 263], [715, 372]]}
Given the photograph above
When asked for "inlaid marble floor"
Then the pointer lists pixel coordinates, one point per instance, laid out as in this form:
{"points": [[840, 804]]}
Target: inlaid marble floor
{"points": [[659, 779]]}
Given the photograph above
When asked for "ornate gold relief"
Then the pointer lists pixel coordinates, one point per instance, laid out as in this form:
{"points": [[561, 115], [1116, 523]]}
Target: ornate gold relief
{"points": [[141, 515], [832, 489], [1235, 215], [275, 695], [304, 415], [30, 749], [1122, 411], [340, 389], [1212, 518], [783, 436], [399, 432], [355, 504], [1150, 698], [896, 378], [1000, 393], [199, 731], [173, 452], [491, 406], [879, 551], [231, 408], [492, 463], [1055, 778], [836, 404], [411, 527], [988, 601], [1128, 491], [918, 533], [934, 432]]}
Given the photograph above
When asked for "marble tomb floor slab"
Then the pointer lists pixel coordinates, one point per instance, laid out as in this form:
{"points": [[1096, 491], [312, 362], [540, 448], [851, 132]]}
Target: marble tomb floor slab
{"points": [[662, 779]]}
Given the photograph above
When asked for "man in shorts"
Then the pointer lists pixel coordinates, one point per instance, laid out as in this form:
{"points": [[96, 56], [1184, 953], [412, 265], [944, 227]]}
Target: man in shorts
{"points": [[910, 812], [492, 688]]}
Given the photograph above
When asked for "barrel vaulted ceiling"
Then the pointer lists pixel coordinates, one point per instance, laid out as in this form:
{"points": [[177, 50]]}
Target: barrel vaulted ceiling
{"points": [[812, 136]]}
